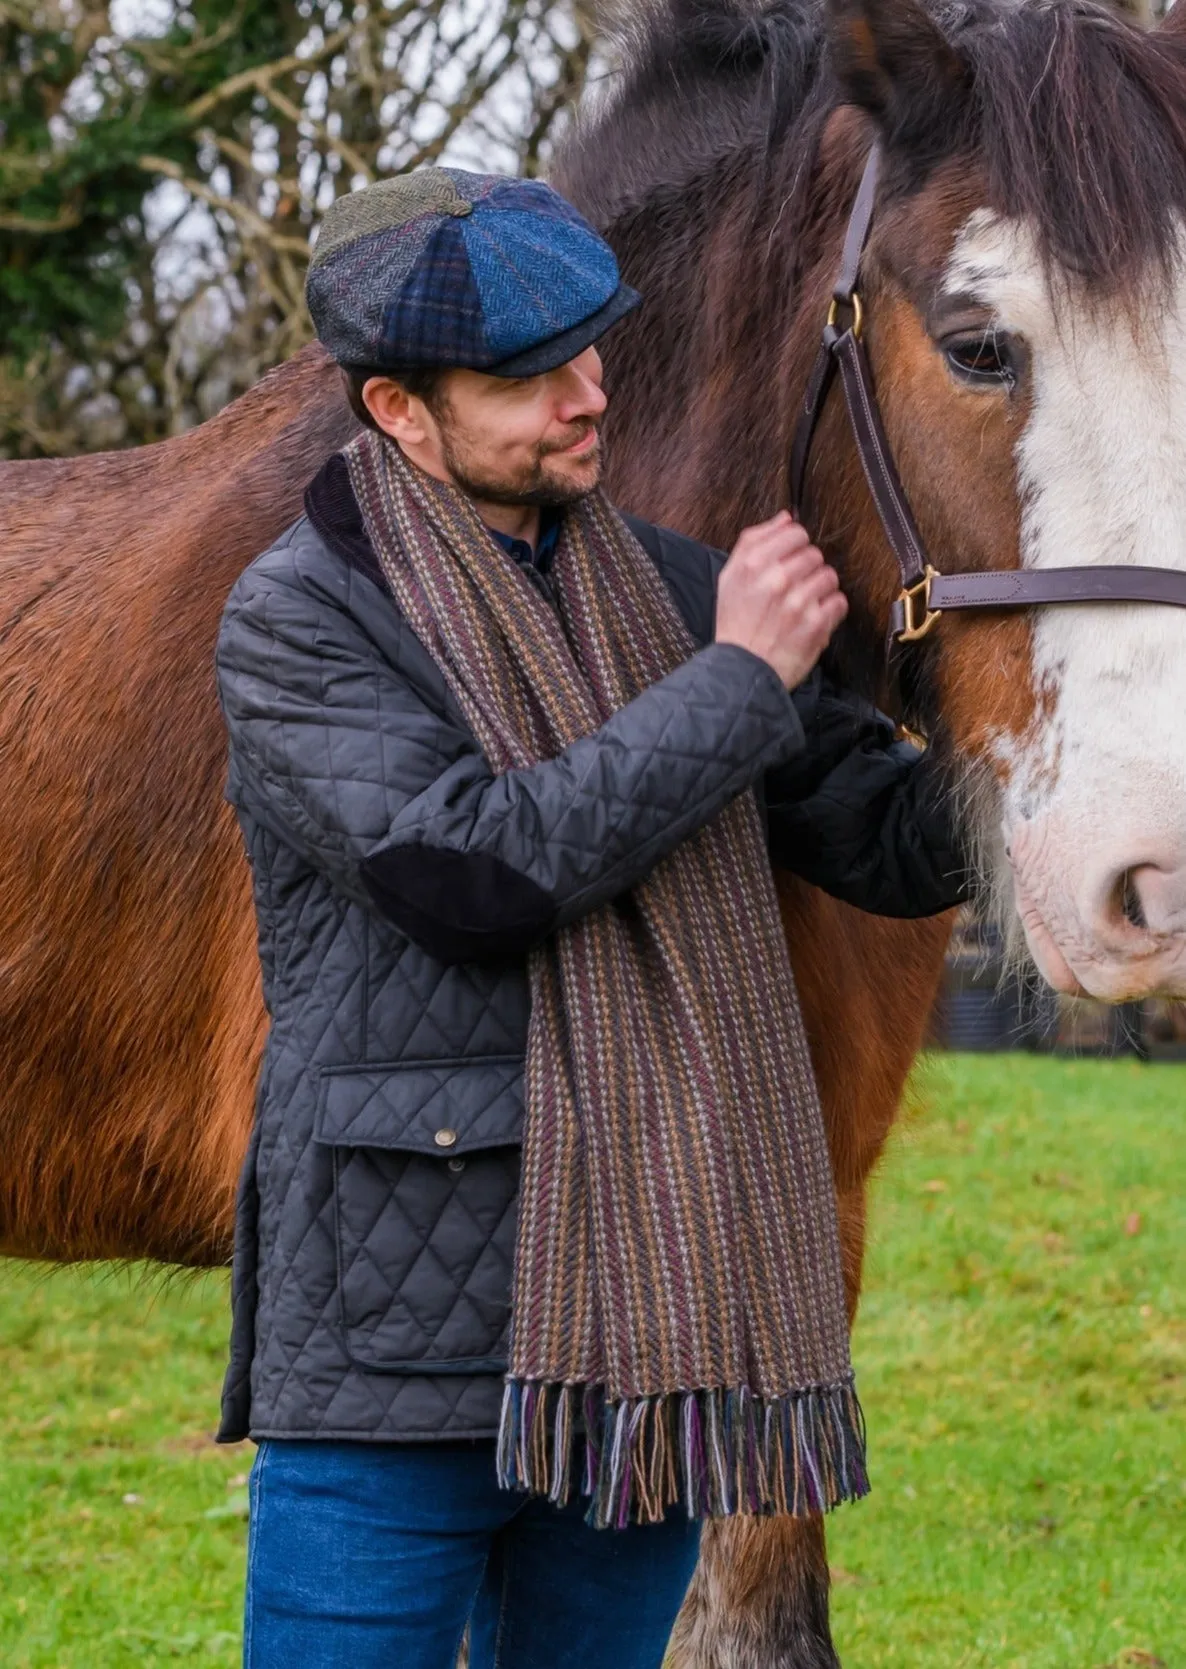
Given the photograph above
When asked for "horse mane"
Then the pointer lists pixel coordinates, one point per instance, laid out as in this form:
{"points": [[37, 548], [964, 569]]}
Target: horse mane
{"points": [[1079, 121], [701, 83], [1075, 115]]}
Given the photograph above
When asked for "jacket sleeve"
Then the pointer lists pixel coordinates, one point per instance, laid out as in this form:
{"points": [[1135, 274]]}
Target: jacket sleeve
{"points": [[333, 749], [864, 817]]}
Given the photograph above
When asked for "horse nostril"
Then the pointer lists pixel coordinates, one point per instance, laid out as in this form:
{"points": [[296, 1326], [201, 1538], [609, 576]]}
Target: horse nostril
{"points": [[1130, 901]]}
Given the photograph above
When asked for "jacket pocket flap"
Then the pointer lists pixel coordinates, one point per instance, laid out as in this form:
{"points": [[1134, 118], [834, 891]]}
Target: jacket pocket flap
{"points": [[437, 1107]]}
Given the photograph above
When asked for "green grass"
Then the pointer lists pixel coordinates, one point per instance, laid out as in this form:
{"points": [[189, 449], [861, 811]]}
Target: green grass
{"points": [[1022, 1359], [1021, 1355], [122, 1525]]}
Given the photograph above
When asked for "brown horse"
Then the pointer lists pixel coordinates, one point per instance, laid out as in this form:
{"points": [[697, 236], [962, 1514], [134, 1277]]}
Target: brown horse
{"points": [[1026, 318]]}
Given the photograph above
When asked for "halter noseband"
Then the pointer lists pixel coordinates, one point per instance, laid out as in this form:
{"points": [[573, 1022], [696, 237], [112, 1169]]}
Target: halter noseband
{"points": [[926, 593]]}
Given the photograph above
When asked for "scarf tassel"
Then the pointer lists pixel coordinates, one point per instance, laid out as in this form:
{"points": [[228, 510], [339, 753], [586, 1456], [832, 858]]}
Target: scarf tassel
{"points": [[716, 1452]]}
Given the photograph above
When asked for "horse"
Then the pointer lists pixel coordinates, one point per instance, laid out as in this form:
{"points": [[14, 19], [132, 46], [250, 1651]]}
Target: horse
{"points": [[1025, 316]]}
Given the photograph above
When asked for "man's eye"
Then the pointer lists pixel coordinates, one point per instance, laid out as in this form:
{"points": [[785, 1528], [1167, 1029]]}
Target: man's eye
{"points": [[985, 359]]}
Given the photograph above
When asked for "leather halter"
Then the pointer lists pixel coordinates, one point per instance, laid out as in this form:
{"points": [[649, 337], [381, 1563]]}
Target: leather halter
{"points": [[926, 593]]}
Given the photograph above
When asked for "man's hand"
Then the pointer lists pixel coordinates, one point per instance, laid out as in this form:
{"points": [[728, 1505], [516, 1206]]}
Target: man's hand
{"points": [[778, 598]]}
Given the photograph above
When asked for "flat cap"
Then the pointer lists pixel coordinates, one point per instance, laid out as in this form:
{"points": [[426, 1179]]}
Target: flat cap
{"points": [[443, 268]]}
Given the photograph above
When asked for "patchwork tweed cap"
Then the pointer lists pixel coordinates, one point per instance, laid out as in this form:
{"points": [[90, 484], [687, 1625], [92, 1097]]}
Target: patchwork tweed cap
{"points": [[445, 268]]}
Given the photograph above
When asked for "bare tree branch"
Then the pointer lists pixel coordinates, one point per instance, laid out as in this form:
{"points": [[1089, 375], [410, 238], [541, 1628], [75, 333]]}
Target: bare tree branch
{"points": [[300, 119], [238, 210], [262, 74], [355, 89]]}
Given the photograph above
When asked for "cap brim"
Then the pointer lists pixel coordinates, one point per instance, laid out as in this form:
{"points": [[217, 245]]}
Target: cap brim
{"points": [[558, 350]]}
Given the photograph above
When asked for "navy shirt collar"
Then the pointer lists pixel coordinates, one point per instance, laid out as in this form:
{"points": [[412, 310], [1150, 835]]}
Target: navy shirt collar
{"points": [[550, 519]]}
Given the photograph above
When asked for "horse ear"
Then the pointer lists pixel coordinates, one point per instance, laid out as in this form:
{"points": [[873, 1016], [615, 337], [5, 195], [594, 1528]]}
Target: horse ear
{"points": [[892, 59], [1174, 22]]}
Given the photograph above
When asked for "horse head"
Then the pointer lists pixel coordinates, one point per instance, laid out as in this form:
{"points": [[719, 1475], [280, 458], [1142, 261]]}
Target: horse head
{"points": [[1025, 314]]}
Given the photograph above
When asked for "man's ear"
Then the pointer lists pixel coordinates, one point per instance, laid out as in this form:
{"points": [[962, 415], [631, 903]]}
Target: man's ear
{"points": [[394, 410], [892, 60]]}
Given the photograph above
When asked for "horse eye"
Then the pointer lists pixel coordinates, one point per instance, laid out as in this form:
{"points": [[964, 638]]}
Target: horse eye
{"points": [[984, 360]]}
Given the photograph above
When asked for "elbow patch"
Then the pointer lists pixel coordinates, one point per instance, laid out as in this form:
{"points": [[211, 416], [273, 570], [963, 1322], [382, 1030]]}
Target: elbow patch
{"points": [[459, 906]]}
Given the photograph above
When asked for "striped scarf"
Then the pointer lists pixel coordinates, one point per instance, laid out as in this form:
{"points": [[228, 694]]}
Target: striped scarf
{"points": [[677, 1286]]}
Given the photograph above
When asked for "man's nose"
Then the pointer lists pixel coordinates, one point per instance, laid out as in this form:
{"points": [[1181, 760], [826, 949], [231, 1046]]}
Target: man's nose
{"points": [[587, 398]]}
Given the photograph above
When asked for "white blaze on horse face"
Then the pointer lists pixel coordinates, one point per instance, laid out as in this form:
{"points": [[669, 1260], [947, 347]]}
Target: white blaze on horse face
{"points": [[1093, 812]]}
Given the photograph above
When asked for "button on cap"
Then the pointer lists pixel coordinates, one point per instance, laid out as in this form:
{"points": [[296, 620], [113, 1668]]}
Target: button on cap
{"points": [[445, 1138]]}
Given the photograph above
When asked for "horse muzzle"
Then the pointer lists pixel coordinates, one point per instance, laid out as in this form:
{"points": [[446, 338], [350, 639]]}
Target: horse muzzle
{"points": [[1106, 920]]}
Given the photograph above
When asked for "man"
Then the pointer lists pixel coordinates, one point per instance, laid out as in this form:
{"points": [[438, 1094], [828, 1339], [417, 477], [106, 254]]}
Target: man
{"points": [[509, 768]]}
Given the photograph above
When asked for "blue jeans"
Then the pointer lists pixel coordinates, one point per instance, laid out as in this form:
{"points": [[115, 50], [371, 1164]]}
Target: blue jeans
{"points": [[377, 1555]]}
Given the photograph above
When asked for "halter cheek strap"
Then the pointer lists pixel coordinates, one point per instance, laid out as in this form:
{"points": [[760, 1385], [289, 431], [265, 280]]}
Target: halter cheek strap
{"points": [[926, 592]]}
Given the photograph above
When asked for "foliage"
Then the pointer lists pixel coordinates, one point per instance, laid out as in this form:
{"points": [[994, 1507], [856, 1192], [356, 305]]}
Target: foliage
{"points": [[162, 167], [1021, 1353]]}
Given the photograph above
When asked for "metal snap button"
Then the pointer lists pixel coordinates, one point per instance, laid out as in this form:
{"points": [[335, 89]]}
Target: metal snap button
{"points": [[456, 1165], [445, 1138]]}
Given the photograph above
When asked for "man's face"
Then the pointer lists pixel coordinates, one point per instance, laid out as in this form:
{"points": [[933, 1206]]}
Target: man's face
{"points": [[532, 440]]}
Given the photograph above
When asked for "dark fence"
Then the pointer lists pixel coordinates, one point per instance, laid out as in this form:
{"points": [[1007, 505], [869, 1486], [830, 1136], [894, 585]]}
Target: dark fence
{"points": [[981, 1006]]}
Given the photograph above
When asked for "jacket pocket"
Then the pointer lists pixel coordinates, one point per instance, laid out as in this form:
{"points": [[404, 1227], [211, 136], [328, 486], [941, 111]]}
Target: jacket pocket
{"points": [[426, 1176]]}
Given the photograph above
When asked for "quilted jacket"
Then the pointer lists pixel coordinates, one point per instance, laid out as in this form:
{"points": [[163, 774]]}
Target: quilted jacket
{"points": [[398, 886]]}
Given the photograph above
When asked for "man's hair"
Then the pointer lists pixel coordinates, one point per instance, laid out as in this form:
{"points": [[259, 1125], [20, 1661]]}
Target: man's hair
{"points": [[421, 382]]}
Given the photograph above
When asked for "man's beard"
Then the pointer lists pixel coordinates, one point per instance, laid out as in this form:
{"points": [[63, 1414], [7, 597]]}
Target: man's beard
{"points": [[534, 486]]}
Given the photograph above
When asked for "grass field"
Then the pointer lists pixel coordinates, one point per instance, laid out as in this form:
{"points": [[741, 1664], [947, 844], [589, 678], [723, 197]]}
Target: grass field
{"points": [[1021, 1354]]}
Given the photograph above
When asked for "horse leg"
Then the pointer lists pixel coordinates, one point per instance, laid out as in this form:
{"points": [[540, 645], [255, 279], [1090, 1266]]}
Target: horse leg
{"points": [[759, 1598]]}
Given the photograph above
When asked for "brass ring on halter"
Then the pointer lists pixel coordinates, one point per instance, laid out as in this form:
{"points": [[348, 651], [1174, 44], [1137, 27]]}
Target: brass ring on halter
{"points": [[858, 314], [911, 597]]}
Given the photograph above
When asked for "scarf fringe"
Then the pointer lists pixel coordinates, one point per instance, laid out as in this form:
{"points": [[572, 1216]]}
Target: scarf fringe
{"points": [[718, 1452]]}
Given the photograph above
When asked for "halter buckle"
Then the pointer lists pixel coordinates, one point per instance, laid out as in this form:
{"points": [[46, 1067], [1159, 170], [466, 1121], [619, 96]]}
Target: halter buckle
{"points": [[915, 599], [858, 315]]}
